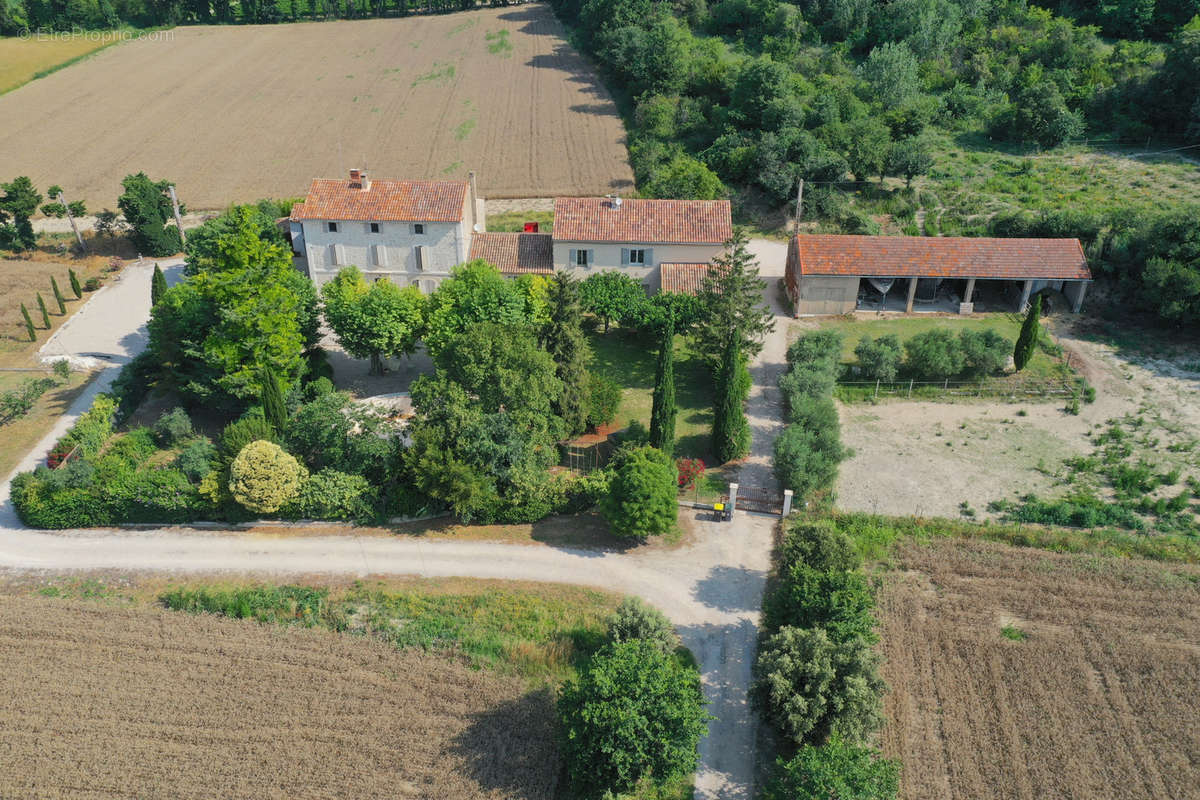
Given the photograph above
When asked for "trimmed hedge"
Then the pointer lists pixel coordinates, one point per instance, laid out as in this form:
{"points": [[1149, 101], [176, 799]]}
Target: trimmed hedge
{"points": [[809, 450]]}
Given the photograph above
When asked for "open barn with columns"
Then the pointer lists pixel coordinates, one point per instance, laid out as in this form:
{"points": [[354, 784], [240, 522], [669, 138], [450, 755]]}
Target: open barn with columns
{"points": [[833, 274]]}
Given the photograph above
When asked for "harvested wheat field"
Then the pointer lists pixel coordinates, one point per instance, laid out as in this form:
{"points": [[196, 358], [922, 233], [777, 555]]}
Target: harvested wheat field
{"points": [[1019, 673], [236, 113], [109, 701]]}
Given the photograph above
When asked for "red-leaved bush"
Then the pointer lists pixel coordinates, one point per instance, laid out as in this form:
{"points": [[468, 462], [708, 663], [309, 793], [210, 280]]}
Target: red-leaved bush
{"points": [[689, 469]]}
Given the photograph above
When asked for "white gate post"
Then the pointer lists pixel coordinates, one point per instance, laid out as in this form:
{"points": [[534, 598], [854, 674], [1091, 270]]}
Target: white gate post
{"points": [[733, 487], [787, 502]]}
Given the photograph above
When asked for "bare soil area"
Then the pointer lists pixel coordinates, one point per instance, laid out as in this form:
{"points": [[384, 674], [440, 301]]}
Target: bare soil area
{"points": [[237, 113], [926, 458], [1017, 673], [105, 701]]}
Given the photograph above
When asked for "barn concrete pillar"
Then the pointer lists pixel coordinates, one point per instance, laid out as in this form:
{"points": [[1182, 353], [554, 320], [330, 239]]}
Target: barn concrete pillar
{"points": [[912, 295], [1074, 291], [1026, 290], [970, 292], [787, 502], [733, 487]]}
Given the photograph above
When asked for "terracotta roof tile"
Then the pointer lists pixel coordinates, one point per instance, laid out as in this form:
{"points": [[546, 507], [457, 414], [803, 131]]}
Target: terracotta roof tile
{"points": [[599, 219], [515, 253], [938, 257], [384, 201], [683, 278]]}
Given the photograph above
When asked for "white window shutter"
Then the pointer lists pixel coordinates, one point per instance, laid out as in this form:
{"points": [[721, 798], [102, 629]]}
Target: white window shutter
{"points": [[648, 258], [339, 255], [417, 254], [591, 258], [624, 256], [381, 256], [572, 258]]}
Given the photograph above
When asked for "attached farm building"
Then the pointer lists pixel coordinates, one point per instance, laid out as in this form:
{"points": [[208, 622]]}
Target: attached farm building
{"points": [[838, 274]]}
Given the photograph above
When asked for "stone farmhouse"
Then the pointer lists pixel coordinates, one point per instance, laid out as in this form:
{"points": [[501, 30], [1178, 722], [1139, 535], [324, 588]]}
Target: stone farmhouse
{"points": [[831, 274], [415, 232]]}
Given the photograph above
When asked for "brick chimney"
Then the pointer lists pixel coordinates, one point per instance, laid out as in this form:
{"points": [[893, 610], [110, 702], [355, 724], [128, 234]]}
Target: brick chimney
{"points": [[359, 177]]}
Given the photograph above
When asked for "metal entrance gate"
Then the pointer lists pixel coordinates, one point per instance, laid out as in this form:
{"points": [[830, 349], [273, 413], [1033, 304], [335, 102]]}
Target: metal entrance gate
{"points": [[764, 501]]}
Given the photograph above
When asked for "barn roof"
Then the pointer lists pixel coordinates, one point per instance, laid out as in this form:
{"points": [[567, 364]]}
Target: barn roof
{"points": [[683, 278], [515, 253], [383, 201], [601, 219], [938, 257]]}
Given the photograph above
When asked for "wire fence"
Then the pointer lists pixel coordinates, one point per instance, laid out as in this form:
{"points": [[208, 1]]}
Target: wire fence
{"points": [[1033, 387]]}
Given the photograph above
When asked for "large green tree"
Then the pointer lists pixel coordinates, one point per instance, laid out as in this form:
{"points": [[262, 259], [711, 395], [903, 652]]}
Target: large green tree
{"points": [[18, 203], [374, 321], [211, 334], [1027, 339], [812, 688], [731, 430], [642, 496], [147, 210], [475, 292], [662, 408], [731, 305], [562, 337], [634, 713], [613, 297], [834, 771]]}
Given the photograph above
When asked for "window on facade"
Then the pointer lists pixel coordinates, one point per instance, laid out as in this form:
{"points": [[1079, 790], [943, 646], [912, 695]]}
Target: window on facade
{"points": [[418, 229], [637, 256], [581, 258], [374, 227], [333, 227]]}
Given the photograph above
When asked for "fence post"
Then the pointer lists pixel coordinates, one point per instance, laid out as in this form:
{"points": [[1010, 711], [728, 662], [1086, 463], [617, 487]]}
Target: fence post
{"points": [[733, 487], [787, 502], [910, 385], [877, 388], [946, 385]]}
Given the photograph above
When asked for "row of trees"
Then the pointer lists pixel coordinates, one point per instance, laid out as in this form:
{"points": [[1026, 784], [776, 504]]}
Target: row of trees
{"points": [[808, 452], [816, 675], [20, 16]]}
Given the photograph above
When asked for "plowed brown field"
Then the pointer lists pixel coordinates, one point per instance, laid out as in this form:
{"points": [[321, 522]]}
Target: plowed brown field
{"points": [[104, 701], [1097, 701], [239, 113]]}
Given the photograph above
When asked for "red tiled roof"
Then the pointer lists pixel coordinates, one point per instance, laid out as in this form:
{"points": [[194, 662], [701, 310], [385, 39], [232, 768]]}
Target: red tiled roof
{"points": [[599, 219], [515, 253], [683, 278], [384, 201], [939, 257]]}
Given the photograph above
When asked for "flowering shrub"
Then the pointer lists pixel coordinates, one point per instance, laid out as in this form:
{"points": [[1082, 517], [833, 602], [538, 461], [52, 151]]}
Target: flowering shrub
{"points": [[689, 470]]}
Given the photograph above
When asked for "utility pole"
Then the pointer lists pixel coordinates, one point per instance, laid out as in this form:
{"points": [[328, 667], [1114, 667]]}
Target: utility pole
{"points": [[799, 203], [62, 198], [178, 220]]}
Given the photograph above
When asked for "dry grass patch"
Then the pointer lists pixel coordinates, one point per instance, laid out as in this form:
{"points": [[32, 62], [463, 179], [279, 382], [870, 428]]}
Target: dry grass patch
{"points": [[244, 112], [109, 701], [20, 435], [22, 60], [1023, 674], [20, 281]]}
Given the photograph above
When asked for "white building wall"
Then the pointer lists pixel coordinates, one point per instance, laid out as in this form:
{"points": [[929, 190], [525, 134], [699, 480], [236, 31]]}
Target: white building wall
{"points": [[607, 256], [447, 245]]}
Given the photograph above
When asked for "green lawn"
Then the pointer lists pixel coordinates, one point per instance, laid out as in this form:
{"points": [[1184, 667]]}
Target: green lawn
{"points": [[1044, 364], [629, 360], [515, 221]]}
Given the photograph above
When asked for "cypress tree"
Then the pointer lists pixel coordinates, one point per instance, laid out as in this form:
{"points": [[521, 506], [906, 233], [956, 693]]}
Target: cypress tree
{"points": [[58, 295], [75, 287], [731, 431], [158, 285], [562, 338], [28, 323], [662, 413], [1031, 331], [272, 401], [45, 315]]}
